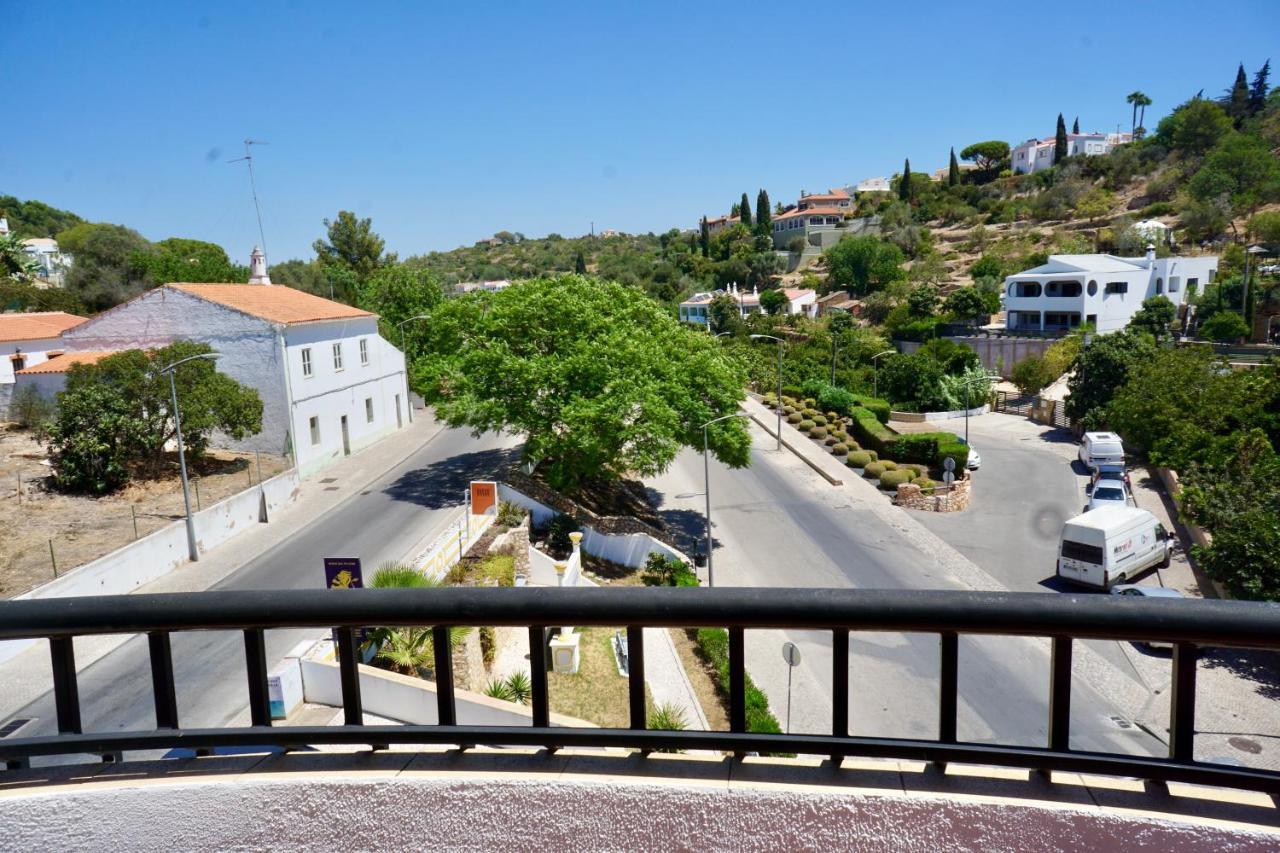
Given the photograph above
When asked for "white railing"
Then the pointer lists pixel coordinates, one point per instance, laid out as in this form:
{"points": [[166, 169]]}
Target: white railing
{"points": [[461, 532]]}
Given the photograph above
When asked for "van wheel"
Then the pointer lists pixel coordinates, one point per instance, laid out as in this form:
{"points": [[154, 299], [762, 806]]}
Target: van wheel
{"points": [[1168, 558]]}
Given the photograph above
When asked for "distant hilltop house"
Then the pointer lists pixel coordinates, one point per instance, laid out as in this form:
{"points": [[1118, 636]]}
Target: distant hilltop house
{"points": [[329, 383], [837, 302], [28, 340], [612, 232], [938, 175], [820, 219], [1102, 290], [1037, 154], [715, 226], [801, 300], [870, 185], [488, 286], [51, 262]]}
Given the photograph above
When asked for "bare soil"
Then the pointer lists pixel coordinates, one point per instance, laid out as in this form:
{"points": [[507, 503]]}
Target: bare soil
{"points": [[80, 528], [702, 677]]}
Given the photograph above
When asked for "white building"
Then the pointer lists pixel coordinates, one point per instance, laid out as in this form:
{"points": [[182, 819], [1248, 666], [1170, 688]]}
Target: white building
{"points": [[1037, 154], [52, 263], [870, 185], [1104, 290], [27, 340], [329, 383], [694, 309]]}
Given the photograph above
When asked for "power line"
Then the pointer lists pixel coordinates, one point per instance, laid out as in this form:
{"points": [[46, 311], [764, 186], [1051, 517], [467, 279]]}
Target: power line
{"points": [[253, 187]]}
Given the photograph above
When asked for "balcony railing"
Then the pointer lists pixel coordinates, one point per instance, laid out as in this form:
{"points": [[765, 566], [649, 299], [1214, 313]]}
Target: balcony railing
{"points": [[1187, 625]]}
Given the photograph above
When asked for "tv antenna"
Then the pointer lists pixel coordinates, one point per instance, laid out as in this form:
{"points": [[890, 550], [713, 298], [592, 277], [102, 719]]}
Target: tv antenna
{"points": [[253, 187]]}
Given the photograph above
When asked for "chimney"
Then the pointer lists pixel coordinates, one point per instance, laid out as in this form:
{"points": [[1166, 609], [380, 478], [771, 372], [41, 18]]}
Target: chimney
{"points": [[258, 267], [1151, 256], [4, 226]]}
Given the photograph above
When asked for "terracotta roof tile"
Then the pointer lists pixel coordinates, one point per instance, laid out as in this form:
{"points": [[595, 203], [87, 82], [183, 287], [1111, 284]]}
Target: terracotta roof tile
{"points": [[36, 325], [273, 303], [62, 363], [813, 211]]}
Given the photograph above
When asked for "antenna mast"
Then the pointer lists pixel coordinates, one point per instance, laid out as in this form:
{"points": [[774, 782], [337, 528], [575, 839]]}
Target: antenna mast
{"points": [[253, 187]]}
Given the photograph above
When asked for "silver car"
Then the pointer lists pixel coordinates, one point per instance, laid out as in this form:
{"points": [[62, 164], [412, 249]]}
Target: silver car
{"points": [[1134, 590], [1108, 493]]}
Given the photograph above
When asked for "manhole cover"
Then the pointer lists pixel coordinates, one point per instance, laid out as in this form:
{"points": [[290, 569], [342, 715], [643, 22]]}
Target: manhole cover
{"points": [[1120, 722], [1245, 745]]}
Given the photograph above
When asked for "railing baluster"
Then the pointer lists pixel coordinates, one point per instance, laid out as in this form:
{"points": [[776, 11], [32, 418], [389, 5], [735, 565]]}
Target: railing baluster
{"points": [[255, 660], [840, 682], [349, 670], [66, 693], [1182, 699], [162, 687], [446, 710], [635, 676], [538, 676], [737, 681], [1060, 695], [948, 685]]}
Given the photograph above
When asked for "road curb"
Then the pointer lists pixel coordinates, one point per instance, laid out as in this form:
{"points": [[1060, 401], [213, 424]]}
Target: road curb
{"points": [[803, 458]]}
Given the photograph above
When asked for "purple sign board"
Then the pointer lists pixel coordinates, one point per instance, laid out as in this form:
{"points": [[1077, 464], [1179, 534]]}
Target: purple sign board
{"points": [[344, 573]]}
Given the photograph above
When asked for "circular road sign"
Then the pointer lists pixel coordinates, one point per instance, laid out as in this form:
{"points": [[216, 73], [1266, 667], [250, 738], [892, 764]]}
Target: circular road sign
{"points": [[791, 654], [949, 464]]}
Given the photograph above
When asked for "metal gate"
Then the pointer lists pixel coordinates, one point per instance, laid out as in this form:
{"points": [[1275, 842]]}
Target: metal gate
{"points": [[1014, 404]]}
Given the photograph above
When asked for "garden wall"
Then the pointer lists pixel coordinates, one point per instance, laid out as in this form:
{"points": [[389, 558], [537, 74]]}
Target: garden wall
{"points": [[927, 417], [996, 353]]}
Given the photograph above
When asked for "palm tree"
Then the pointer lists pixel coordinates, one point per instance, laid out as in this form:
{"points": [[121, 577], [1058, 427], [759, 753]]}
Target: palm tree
{"points": [[1143, 102], [1135, 98], [406, 650]]}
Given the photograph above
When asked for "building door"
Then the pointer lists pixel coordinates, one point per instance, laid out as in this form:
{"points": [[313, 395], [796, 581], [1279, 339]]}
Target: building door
{"points": [[346, 438], [399, 419]]}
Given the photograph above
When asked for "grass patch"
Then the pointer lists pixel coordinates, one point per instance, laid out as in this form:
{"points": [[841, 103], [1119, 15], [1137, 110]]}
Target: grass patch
{"points": [[595, 693]]}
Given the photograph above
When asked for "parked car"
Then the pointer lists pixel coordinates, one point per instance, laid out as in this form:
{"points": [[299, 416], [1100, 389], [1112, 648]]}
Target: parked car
{"points": [[1112, 473], [1134, 591], [1108, 493], [975, 458], [1111, 545], [1101, 448]]}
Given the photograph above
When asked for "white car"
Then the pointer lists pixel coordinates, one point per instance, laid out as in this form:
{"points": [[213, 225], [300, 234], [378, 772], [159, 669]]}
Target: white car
{"points": [[1108, 493], [975, 458], [1134, 590]]}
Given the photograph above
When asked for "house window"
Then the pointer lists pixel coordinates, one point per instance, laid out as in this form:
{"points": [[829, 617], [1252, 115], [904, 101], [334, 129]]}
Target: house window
{"points": [[306, 362], [1117, 287], [368, 410], [1192, 285], [1174, 284], [337, 356], [315, 429], [1093, 288], [1027, 288], [1064, 288], [364, 350], [18, 362], [1159, 285]]}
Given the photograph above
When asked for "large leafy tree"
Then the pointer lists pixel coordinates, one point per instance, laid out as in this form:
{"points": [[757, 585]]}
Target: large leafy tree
{"points": [[864, 264], [397, 293], [352, 243], [990, 157], [35, 218], [1241, 167], [105, 269], [1195, 127], [1101, 369], [1155, 317], [969, 304], [599, 379], [774, 301], [180, 259], [115, 417]]}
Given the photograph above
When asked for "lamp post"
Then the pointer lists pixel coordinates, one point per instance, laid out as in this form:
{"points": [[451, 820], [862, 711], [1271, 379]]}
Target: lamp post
{"points": [[706, 472], [192, 550], [875, 366], [778, 407], [405, 353], [1244, 302]]}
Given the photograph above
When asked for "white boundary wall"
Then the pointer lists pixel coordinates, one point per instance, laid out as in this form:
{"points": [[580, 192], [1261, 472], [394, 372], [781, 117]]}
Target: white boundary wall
{"points": [[447, 548], [542, 568]]}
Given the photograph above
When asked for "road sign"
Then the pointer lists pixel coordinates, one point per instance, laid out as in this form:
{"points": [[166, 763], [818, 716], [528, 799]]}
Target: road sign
{"points": [[343, 573], [949, 464], [791, 654]]}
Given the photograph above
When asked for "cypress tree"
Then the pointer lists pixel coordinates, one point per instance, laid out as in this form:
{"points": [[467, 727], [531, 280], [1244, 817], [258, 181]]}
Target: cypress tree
{"points": [[1238, 98], [744, 211], [704, 237], [953, 170], [1258, 91], [1075, 126], [580, 263], [763, 216], [904, 188], [1060, 141]]}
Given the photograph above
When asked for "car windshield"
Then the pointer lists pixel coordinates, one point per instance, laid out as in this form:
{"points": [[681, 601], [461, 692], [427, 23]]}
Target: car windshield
{"points": [[1108, 494]]}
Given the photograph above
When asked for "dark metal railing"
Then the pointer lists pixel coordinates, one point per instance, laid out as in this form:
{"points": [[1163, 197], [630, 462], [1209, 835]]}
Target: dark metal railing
{"points": [[1188, 625]]}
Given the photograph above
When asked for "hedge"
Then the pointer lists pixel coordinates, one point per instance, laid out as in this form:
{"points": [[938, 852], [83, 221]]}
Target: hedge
{"points": [[873, 470], [859, 459], [915, 447], [878, 407], [893, 479], [713, 644], [869, 431], [956, 449]]}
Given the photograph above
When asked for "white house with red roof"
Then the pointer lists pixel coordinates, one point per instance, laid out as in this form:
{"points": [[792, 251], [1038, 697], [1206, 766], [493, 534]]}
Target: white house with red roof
{"points": [[330, 384], [819, 219], [800, 300], [1035, 155], [27, 340]]}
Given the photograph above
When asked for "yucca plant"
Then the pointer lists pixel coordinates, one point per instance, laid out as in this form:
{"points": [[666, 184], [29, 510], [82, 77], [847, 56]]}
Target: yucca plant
{"points": [[498, 689], [520, 687]]}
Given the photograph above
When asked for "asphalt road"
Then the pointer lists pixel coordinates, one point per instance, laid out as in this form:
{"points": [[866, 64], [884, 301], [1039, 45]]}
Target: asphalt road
{"points": [[777, 524], [380, 524]]}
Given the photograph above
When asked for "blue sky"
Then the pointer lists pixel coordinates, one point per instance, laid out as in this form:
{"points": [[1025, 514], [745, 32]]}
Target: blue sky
{"points": [[446, 123]]}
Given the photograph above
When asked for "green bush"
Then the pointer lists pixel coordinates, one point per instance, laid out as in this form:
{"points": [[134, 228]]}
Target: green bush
{"points": [[806, 425], [878, 407], [839, 450], [858, 459], [916, 447], [788, 410], [558, 535], [920, 470], [810, 412], [841, 434], [509, 514], [793, 391], [820, 420], [831, 440], [661, 570], [713, 646], [957, 450], [875, 457], [810, 402], [852, 445], [925, 484], [889, 464], [833, 416], [794, 418], [818, 432], [873, 470], [869, 431], [1159, 208], [893, 479]]}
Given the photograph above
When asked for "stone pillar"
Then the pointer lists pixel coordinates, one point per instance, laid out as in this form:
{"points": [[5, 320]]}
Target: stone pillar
{"points": [[561, 568]]}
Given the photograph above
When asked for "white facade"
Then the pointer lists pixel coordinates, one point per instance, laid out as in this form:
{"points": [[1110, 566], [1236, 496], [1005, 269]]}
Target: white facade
{"points": [[1103, 290], [354, 403], [695, 308], [1037, 154], [25, 341]]}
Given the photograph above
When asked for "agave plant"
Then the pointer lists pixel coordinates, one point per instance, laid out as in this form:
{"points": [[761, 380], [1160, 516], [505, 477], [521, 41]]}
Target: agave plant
{"points": [[520, 687], [498, 689]]}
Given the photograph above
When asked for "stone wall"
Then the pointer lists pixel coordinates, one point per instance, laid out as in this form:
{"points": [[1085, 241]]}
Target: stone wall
{"points": [[911, 496], [608, 524]]}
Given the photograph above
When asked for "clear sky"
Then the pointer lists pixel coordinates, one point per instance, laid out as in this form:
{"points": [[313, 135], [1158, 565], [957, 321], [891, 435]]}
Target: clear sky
{"points": [[447, 122]]}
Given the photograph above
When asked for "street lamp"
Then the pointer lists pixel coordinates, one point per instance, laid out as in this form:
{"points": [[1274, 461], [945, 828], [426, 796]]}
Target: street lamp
{"points": [[778, 341], [192, 550], [875, 366], [404, 352], [706, 471], [1244, 303]]}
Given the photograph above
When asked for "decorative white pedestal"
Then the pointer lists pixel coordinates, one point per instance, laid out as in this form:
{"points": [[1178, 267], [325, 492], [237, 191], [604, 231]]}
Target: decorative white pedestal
{"points": [[565, 655]]}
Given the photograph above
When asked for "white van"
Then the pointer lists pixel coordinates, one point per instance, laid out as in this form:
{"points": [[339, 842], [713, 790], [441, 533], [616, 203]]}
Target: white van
{"points": [[1111, 545], [1101, 448]]}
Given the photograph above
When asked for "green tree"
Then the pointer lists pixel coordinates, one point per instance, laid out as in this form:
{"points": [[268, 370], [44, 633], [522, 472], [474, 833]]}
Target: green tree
{"points": [[953, 170], [1225, 327], [1060, 141], [1237, 99], [598, 378], [744, 211], [1265, 227], [1101, 369], [580, 263], [1075, 126], [904, 185], [1096, 203], [864, 264], [15, 264], [352, 244], [990, 157], [1155, 317], [397, 293], [774, 301], [35, 218], [1195, 127], [1032, 374], [1206, 220], [104, 270], [180, 259], [1137, 99], [704, 237], [922, 301], [763, 215], [969, 304], [1257, 90], [724, 315], [1242, 168]]}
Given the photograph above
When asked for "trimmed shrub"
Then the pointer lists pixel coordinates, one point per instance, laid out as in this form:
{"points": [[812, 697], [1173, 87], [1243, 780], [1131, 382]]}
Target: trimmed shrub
{"points": [[920, 470], [926, 485], [795, 418], [878, 407], [831, 440], [858, 459], [793, 391], [893, 479], [820, 420], [713, 646], [915, 447], [853, 445], [842, 435], [810, 402], [874, 456], [818, 432], [806, 425], [957, 450], [869, 431], [889, 465], [810, 413], [873, 470], [839, 450], [788, 410]]}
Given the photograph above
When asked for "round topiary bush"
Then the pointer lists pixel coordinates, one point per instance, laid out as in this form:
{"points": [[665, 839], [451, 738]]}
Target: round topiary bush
{"points": [[833, 417], [810, 402], [831, 440], [795, 418], [890, 465], [893, 479], [859, 459], [874, 455], [920, 470], [806, 425], [820, 420], [818, 432], [842, 435], [839, 450], [788, 410], [873, 470], [810, 412], [853, 445], [926, 485]]}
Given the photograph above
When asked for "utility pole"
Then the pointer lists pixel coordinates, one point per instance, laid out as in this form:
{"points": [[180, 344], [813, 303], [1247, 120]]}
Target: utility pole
{"points": [[247, 159]]}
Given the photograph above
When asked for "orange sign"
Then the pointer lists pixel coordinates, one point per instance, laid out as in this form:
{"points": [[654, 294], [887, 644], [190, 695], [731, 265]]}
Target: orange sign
{"points": [[484, 497]]}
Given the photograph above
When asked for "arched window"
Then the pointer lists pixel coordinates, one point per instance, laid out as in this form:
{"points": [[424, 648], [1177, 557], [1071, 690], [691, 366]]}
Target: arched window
{"points": [[1093, 288], [1159, 285]]}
